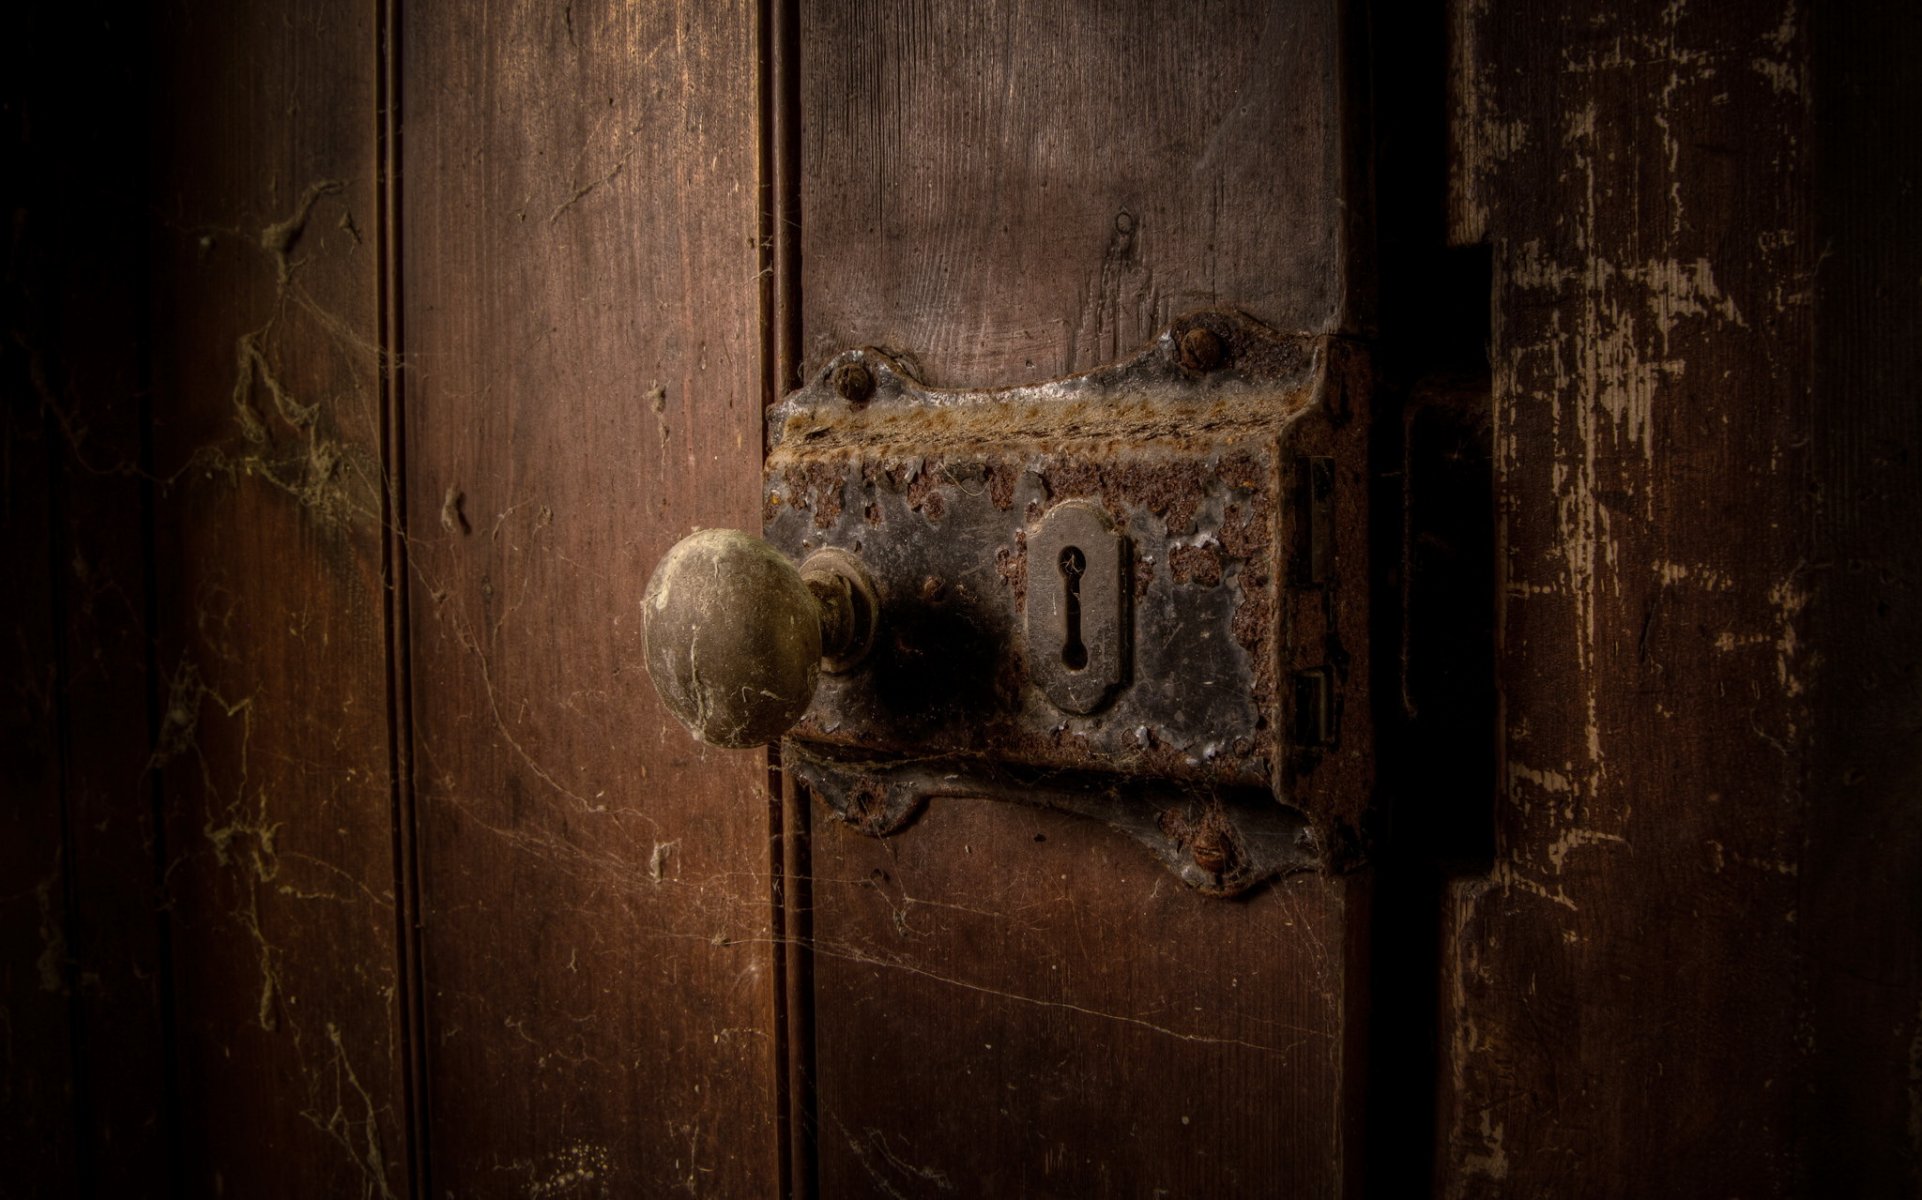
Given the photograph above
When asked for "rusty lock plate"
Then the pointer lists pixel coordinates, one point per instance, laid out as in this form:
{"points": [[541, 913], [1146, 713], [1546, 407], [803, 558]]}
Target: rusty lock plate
{"points": [[1138, 593]]}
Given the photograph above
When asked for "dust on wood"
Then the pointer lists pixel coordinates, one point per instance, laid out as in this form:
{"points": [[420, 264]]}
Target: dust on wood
{"points": [[273, 756], [543, 757]]}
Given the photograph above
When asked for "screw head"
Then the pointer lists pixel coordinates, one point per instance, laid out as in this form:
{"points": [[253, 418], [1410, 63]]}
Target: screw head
{"points": [[1214, 852], [1202, 349], [854, 382]]}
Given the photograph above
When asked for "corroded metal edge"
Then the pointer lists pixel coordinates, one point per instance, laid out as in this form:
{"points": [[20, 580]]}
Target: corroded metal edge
{"points": [[1156, 394], [1219, 841]]}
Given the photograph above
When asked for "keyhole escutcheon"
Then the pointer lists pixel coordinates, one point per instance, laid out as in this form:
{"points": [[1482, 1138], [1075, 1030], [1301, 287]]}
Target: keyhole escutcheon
{"points": [[1077, 618]]}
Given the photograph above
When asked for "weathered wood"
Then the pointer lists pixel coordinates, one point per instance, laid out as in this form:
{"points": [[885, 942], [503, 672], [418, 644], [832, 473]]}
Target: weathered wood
{"points": [[1696, 967], [581, 304], [1011, 193], [1649, 992], [1022, 1003], [272, 746]]}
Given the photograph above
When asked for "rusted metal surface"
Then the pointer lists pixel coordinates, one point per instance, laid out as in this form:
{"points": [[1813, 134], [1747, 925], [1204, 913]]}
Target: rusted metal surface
{"points": [[1220, 841], [1215, 455]]}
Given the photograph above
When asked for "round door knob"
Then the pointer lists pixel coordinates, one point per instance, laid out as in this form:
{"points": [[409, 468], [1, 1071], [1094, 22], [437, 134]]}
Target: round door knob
{"points": [[736, 637]]}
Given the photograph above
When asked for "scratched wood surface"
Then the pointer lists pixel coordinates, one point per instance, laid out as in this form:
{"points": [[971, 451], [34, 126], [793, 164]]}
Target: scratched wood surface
{"points": [[1699, 938], [1696, 967], [271, 750], [582, 374], [1010, 1002], [1011, 192]]}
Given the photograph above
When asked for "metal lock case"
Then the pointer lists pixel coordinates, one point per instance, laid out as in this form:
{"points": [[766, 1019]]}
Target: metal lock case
{"points": [[1138, 593]]}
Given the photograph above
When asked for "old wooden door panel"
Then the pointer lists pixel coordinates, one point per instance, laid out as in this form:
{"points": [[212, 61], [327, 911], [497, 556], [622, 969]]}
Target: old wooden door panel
{"points": [[1011, 193], [1648, 386], [1695, 968], [1015, 1003], [272, 742], [1652, 965], [582, 388], [1008, 1001], [74, 322]]}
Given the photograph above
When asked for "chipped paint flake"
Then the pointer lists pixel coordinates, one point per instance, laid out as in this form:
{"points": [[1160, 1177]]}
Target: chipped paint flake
{"points": [[1491, 1160]]}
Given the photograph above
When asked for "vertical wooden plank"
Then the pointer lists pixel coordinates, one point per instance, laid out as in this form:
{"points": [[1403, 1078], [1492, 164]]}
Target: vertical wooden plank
{"points": [[272, 748], [1859, 1116], [1010, 1001], [37, 1118], [95, 371], [583, 347], [1637, 988], [83, 1045], [1015, 192], [1014, 1002]]}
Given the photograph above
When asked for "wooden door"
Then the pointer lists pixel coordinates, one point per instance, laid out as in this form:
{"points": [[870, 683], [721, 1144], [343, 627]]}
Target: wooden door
{"points": [[1009, 1001], [364, 355]]}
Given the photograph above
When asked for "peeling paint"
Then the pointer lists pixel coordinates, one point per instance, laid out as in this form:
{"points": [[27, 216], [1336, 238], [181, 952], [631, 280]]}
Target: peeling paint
{"points": [[1509, 878], [1491, 1161], [1789, 598], [1570, 839], [1649, 234], [1702, 575]]}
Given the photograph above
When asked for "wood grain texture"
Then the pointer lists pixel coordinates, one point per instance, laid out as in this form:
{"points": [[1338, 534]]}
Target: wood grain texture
{"points": [[582, 355], [1013, 1002], [1652, 993], [1010, 193], [1019, 1003], [272, 747]]}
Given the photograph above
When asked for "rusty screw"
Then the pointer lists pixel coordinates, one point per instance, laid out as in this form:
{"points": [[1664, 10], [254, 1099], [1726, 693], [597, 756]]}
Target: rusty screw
{"points": [[855, 383], [1214, 852], [1202, 349]]}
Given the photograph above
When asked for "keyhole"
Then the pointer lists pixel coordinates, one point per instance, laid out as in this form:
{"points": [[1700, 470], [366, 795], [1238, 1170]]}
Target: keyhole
{"points": [[1074, 655]]}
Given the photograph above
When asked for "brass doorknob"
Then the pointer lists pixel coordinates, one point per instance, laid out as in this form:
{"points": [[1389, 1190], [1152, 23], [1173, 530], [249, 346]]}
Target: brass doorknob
{"points": [[736, 637]]}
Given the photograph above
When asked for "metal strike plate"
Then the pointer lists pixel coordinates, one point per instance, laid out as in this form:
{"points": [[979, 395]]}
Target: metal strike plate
{"points": [[1205, 646]]}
